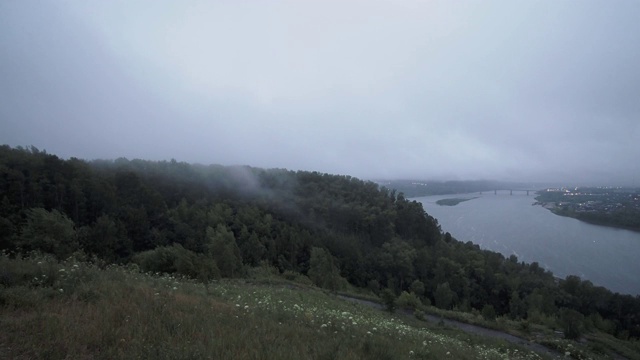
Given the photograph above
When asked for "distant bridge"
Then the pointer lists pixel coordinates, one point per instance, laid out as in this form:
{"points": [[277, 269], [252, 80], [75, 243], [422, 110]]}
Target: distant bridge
{"points": [[495, 192]]}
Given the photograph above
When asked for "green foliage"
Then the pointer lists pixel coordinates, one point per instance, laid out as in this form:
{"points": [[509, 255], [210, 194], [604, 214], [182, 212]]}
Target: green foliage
{"points": [[119, 313], [106, 238], [489, 313], [444, 296], [389, 300], [572, 323], [408, 300], [223, 249], [417, 287], [176, 259], [49, 231], [215, 221], [297, 277], [323, 271], [517, 307]]}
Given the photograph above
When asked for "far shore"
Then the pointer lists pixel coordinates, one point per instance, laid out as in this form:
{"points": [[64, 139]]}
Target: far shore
{"points": [[453, 201]]}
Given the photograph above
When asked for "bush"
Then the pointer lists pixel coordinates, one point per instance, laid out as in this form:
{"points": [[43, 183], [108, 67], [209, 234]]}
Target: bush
{"points": [[297, 277], [408, 300], [572, 323], [489, 313], [389, 300], [176, 259]]}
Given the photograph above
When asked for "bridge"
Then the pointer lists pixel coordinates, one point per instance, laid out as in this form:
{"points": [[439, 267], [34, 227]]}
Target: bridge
{"points": [[495, 192]]}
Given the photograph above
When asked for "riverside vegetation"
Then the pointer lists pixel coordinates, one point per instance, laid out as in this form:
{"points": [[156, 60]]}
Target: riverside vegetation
{"points": [[452, 201], [138, 229]]}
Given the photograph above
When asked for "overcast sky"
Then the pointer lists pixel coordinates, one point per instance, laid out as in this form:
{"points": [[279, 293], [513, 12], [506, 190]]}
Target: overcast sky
{"points": [[504, 90]]}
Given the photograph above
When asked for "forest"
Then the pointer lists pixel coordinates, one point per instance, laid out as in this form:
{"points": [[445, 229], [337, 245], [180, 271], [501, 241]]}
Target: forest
{"points": [[213, 221]]}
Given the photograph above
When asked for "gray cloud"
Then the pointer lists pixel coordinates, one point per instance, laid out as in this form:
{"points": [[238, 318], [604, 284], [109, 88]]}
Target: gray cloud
{"points": [[504, 90]]}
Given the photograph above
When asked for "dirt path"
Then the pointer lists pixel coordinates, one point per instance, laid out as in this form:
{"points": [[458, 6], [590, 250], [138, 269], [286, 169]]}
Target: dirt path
{"points": [[472, 329]]}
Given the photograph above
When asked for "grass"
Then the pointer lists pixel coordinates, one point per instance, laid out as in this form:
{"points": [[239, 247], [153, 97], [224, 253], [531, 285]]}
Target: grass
{"points": [[76, 310]]}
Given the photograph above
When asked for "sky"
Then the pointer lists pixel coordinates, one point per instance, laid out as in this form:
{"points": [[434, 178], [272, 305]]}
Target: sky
{"points": [[504, 90]]}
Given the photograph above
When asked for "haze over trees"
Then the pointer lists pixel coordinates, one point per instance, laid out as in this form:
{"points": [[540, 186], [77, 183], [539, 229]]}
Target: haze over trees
{"points": [[213, 221]]}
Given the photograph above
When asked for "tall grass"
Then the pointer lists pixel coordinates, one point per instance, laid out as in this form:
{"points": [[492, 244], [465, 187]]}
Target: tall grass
{"points": [[75, 310]]}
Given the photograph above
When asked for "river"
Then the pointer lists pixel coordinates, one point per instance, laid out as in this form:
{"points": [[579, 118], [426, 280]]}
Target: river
{"points": [[509, 224]]}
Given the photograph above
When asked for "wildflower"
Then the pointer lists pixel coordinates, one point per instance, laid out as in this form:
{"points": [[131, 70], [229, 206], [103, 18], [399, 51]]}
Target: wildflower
{"points": [[323, 326], [61, 290], [175, 288], [246, 307], [411, 352], [61, 270], [448, 353]]}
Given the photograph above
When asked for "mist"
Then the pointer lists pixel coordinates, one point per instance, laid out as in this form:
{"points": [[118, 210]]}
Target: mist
{"points": [[541, 91]]}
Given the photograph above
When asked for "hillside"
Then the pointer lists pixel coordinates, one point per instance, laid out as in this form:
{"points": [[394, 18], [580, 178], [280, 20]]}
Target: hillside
{"points": [[336, 232]]}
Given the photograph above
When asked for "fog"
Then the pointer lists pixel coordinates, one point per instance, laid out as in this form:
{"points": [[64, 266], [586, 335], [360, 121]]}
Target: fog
{"points": [[504, 90]]}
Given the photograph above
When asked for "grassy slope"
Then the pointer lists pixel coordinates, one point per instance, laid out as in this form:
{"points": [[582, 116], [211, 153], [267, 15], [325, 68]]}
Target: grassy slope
{"points": [[75, 310]]}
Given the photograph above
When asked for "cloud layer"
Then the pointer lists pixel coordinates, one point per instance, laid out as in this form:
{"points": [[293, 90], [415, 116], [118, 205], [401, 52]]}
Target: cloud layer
{"points": [[540, 91]]}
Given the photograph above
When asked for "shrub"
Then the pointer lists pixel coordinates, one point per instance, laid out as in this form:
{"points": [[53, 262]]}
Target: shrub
{"points": [[176, 259], [571, 322], [408, 300], [389, 300], [489, 313]]}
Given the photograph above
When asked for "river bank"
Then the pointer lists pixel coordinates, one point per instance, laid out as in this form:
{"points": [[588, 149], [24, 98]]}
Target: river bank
{"points": [[453, 201], [512, 226], [589, 218]]}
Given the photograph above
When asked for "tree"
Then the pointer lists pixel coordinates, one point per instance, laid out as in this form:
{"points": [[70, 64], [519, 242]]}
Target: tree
{"points": [[222, 247], [517, 307], [417, 287], [444, 296], [322, 269], [489, 313], [389, 299], [571, 322], [107, 239], [52, 232]]}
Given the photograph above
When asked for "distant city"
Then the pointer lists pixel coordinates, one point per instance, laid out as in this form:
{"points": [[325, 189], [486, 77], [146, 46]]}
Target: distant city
{"points": [[611, 206]]}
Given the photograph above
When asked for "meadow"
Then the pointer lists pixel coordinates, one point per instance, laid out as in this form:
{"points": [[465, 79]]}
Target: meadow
{"points": [[81, 310]]}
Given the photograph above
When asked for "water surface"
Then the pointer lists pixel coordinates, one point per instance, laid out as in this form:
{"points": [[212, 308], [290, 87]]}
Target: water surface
{"points": [[510, 225]]}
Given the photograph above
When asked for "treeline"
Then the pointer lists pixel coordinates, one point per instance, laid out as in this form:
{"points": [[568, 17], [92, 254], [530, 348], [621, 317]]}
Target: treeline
{"points": [[215, 221], [417, 188]]}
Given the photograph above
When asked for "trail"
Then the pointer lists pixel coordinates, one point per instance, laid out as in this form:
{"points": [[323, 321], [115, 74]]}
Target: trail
{"points": [[472, 329]]}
